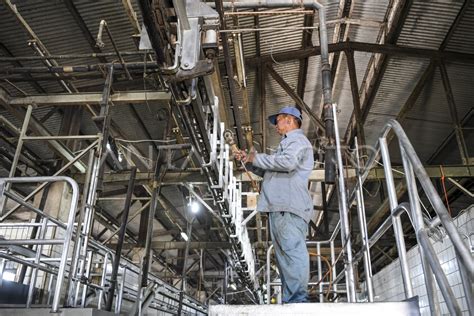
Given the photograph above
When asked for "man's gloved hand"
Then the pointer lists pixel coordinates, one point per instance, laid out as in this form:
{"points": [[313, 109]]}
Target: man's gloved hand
{"points": [[240, 155], [251, 155]]}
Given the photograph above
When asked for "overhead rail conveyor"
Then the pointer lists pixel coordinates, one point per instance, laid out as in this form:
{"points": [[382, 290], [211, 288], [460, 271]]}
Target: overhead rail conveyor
{"points": [[192, 94]]}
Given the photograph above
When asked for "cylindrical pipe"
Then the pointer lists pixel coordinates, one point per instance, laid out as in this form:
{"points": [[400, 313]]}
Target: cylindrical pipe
{"points": [[320, 273], [461, 249], [121, 238], [418, 223], [86, 277], [77, 245], [363, 228], [118, 306], [183, 278], [88, 219], [269, 252], [344, 214], [397, 224], [41, 235], [333, 264], [102, 281]]}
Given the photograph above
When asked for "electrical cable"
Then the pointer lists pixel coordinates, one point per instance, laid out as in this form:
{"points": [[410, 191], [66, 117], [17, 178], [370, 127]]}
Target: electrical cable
{"points": [[329, 272], [444, 189]]}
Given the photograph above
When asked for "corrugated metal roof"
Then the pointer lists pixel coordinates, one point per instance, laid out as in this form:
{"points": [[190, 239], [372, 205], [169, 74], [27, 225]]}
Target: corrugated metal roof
{"points": [[427, 25], [463, 37]]}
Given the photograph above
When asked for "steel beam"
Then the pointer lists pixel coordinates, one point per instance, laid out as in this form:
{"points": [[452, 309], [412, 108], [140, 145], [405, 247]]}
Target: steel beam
{"points": [[386, 49], [63, 99], [355, 97], [303, 67]]}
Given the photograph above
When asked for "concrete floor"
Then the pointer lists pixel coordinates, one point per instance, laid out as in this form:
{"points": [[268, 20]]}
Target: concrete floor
{"points": [[333, 309]]}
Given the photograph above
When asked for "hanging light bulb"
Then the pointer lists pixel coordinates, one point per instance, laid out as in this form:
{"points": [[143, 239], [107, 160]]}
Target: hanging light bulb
{"points": [[194, 205], [184, 236]]}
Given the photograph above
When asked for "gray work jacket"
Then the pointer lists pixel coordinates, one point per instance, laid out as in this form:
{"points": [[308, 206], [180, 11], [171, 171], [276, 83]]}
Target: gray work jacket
{"points": [[285, 176]]}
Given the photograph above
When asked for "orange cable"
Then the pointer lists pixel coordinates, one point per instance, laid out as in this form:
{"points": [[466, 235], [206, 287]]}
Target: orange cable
{"points": [[444, 189], [326, 274]]}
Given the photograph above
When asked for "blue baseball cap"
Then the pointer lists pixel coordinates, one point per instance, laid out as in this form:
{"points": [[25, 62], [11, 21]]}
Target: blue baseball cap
{"points": [[291, 110]]}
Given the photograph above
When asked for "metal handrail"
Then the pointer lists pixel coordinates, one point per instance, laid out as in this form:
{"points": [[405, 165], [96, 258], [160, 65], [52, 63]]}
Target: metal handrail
{"points": [[58, 266], [433, 197], [413, 167], [69, 224]]}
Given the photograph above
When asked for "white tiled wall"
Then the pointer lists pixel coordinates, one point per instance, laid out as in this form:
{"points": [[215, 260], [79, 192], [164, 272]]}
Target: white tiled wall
{"points": [[388, 285]]}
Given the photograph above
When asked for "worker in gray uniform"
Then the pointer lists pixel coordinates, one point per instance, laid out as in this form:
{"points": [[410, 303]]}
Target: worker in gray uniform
{"points": [[286, 199]]}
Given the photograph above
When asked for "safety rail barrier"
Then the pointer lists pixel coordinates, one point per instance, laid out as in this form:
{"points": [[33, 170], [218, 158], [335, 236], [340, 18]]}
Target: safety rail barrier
{"points": [[331, 285], [413, 170], [97, 262]]}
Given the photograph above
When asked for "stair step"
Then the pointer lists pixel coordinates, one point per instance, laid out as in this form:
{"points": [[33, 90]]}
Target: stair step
{"points": [[409, 308]]}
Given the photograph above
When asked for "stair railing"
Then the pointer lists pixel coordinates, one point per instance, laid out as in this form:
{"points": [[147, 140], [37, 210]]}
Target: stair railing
{"points": [[414, 170]]}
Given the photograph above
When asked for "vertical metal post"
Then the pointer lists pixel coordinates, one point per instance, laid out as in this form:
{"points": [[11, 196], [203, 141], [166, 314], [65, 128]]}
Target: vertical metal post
{"points": [[79, 231], [121, 238], [226, 276], [103, 121], [118, 305], [102, 280], [396, 221], [67, 242], [50, 286], [363, 227], [269, 252], [148, 255], [2, 269], [343, 211], [86, 277], [41, 235], [16, 157], [417, 219], [333, 264], [320, 273], [88, 219], [189, 231]]}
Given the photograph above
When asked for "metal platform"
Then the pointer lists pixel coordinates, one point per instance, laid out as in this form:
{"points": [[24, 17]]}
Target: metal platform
{"points": [[334, 309], [47, 312]]}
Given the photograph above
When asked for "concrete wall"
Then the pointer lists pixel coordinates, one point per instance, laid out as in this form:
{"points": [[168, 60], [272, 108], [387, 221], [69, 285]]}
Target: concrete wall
{"points": [[388, 283]]}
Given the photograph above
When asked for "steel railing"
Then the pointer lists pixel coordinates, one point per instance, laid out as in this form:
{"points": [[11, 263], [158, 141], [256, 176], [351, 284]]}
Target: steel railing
{"points": [[413, 171], [59, 265]]}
